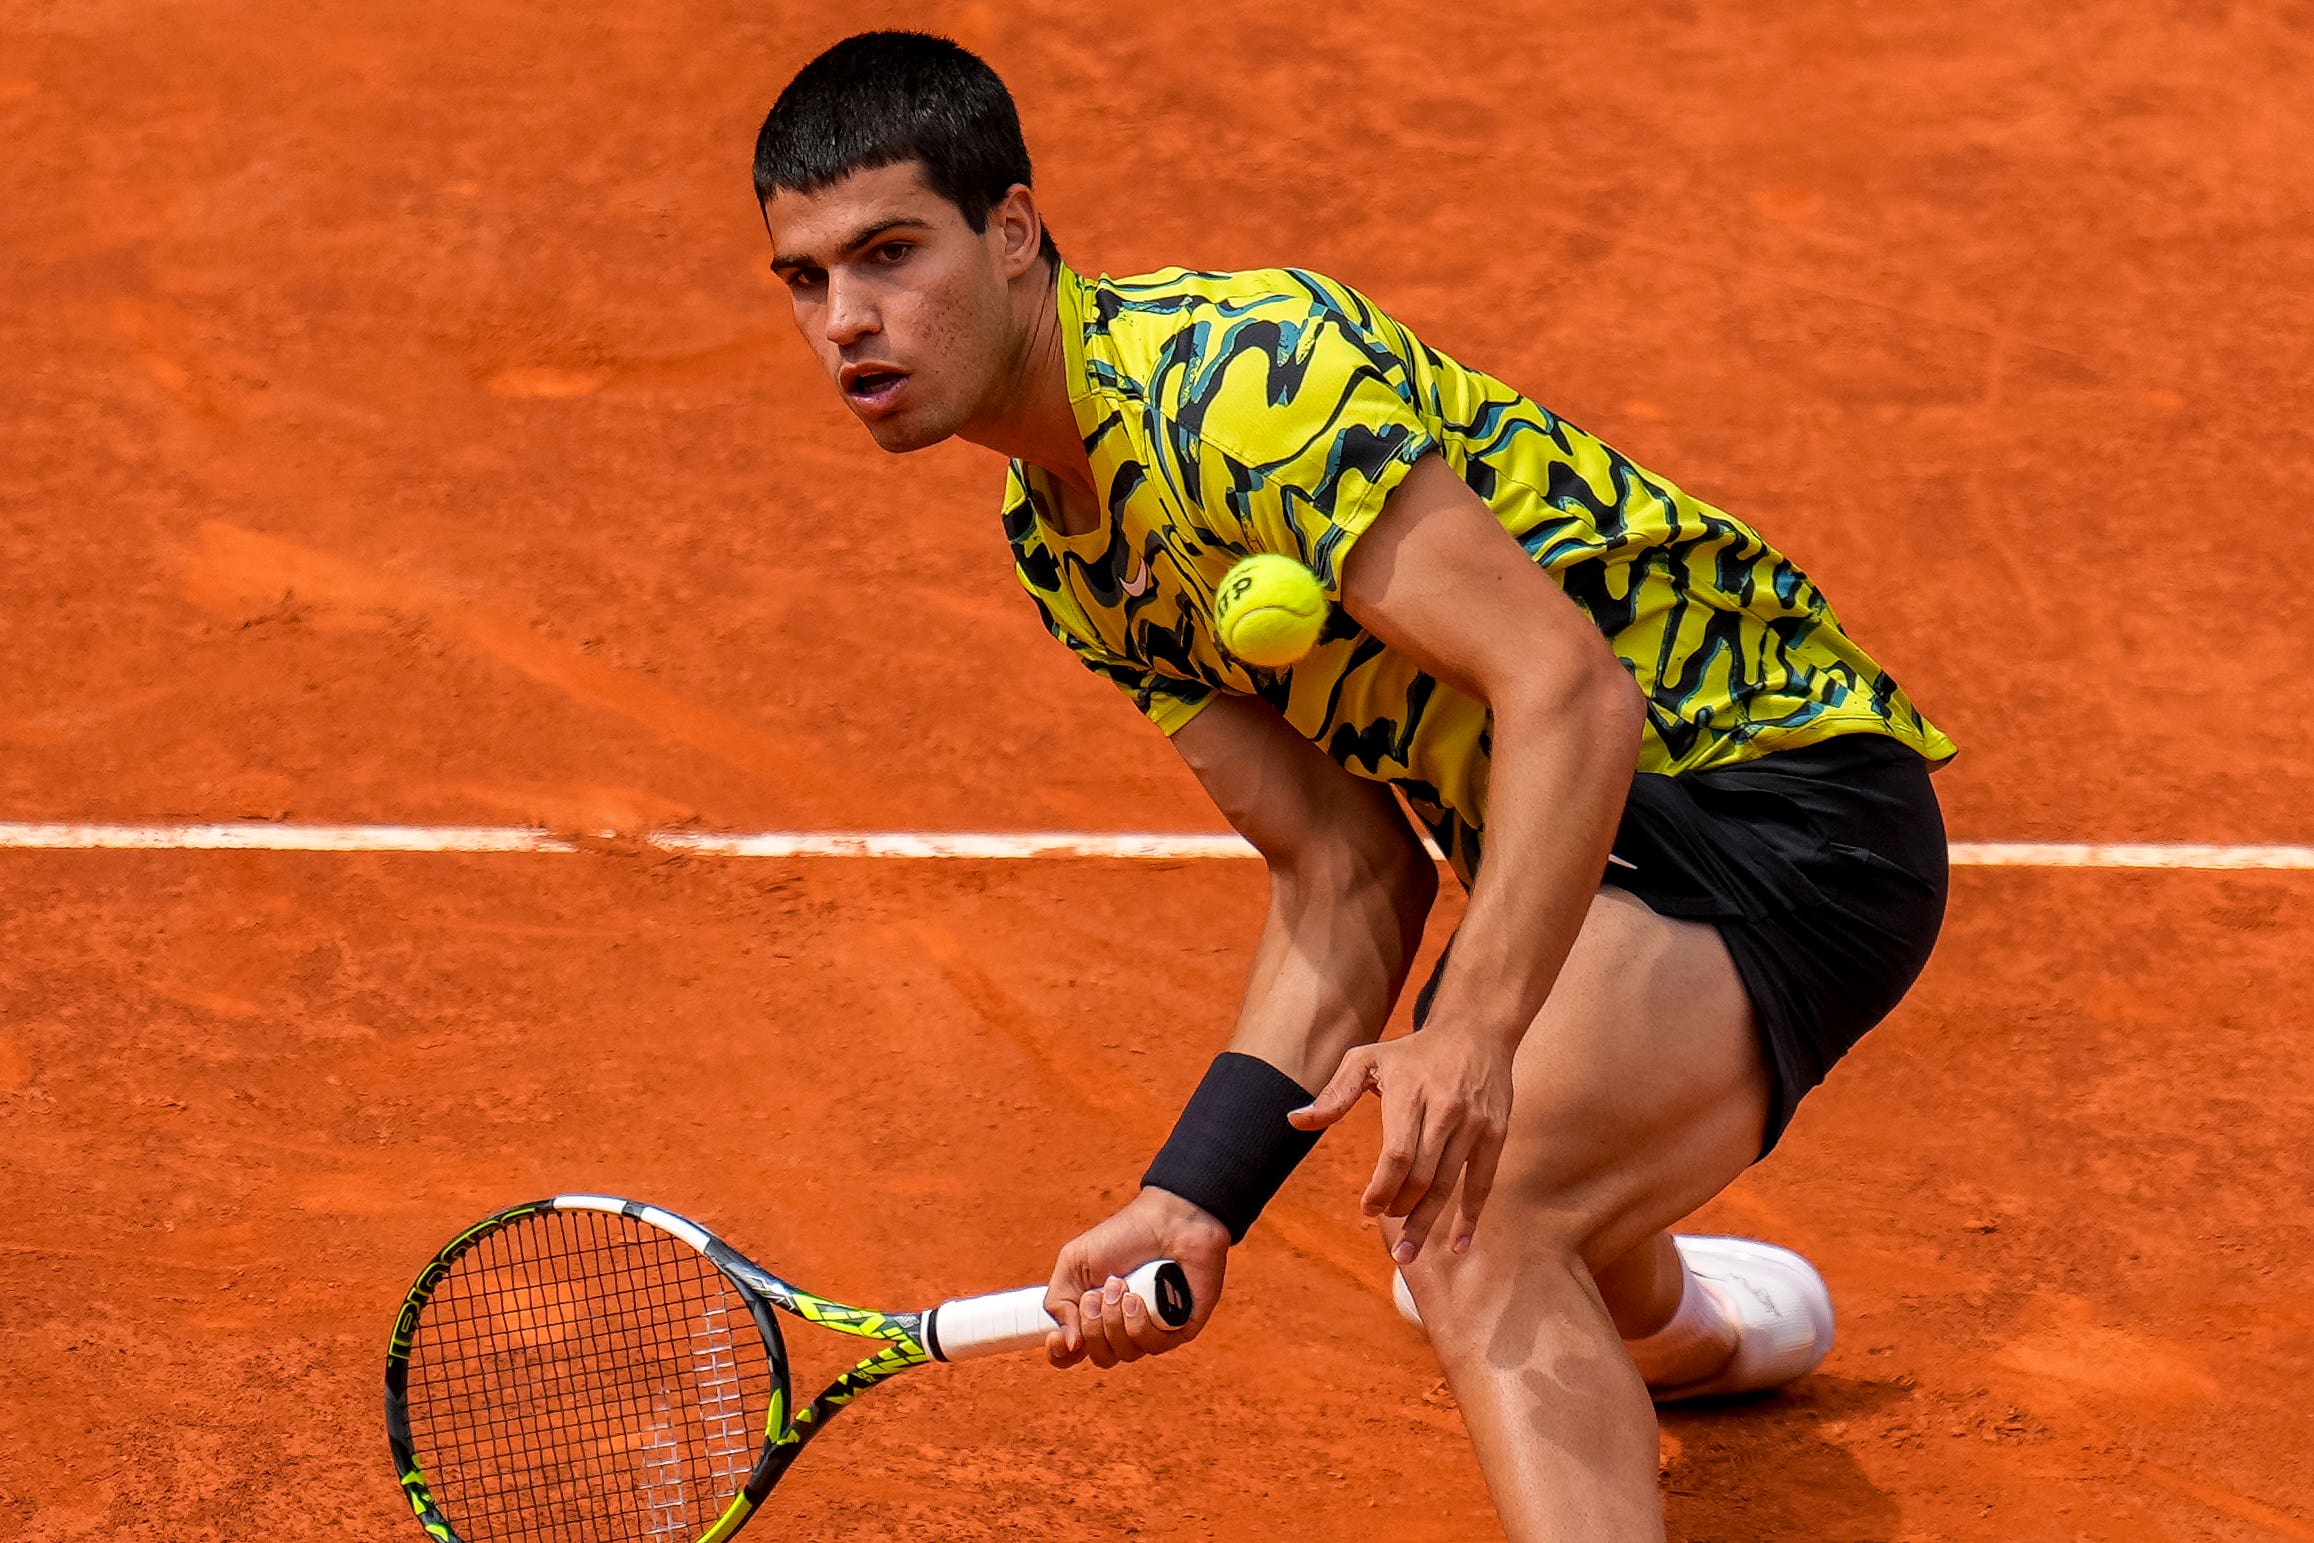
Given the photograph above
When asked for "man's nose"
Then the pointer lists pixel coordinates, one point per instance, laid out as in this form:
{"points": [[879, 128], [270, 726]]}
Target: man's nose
{"points": [[851, 312]]}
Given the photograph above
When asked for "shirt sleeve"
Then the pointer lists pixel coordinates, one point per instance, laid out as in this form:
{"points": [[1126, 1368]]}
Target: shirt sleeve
{"points": [[1303, 430]]}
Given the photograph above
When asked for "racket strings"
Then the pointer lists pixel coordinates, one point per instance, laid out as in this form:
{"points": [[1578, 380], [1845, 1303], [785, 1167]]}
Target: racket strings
{"points": [[582, 1375]]}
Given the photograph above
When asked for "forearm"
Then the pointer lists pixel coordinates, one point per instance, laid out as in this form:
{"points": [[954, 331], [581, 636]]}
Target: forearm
{"points": [[1345, 919], [1561, 767], [1350, 887]]}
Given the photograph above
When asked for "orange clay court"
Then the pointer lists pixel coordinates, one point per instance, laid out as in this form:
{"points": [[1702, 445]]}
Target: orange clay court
{"points": [[400, 426]]}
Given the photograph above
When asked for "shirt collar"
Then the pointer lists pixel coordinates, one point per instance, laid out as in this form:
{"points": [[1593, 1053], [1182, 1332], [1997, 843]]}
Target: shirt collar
{"points": [[1074, 304]]}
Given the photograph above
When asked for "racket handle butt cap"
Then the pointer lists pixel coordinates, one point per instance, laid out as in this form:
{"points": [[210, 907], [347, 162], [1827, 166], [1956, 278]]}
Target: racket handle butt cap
{"points": [[1007, 1321]]}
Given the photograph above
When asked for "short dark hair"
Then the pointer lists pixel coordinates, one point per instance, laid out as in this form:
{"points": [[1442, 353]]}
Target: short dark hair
{"points": [[880, 98]]}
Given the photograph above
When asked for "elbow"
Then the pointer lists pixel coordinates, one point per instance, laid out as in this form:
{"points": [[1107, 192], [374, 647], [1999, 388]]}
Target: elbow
{"points": [[1399, 875], [1619, 707], [1375, 868], [1388, 887], [1597, 699]]}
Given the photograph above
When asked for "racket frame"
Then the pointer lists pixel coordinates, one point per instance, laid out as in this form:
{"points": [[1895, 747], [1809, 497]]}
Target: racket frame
{"points": [[901, 1334], [992, 1324]]}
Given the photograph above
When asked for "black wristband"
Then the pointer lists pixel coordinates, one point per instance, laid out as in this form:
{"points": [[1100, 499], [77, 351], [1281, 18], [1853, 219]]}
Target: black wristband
{"points": [[1232, 1148]]}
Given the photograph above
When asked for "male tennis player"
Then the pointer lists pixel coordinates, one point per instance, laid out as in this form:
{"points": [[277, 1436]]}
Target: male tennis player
{"points": [[1693, 817]]}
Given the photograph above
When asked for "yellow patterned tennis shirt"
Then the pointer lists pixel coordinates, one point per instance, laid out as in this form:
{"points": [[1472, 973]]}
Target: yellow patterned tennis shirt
{"points": [[1273, 411]]}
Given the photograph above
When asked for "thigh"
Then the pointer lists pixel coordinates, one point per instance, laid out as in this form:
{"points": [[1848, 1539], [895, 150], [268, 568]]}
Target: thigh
{"points": [[1641, 1089]]}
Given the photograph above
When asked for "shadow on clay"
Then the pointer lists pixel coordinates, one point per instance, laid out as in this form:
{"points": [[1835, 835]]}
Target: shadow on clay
{"points": [[1749, 1468]]}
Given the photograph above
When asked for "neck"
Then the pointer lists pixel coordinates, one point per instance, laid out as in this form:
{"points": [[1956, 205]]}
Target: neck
{"points": [[1033, 421]]}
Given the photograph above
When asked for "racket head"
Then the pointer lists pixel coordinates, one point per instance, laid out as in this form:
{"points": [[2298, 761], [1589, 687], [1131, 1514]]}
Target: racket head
{"points": [[586, 1366]]}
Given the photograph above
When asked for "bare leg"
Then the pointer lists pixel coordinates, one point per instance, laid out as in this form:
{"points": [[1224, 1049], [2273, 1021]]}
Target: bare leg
{"points": [[1642, 1289], [1641, 1093]]}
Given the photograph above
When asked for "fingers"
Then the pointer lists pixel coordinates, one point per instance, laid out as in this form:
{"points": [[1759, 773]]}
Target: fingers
{"points": [[1437, 1189], [1094, 1316], [1142, 1327], [1401, 1147], [1441, 1127], [1057, 1350], [1118, 1329], [1091, 1313], [1350, 1081], [1065, 1346], [1477, 1183]]}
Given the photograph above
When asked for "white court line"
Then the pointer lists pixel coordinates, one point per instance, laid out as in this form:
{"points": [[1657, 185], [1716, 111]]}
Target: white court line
{"points": [[2125, 854], [265, 836], [269, 836], [970, 844]]}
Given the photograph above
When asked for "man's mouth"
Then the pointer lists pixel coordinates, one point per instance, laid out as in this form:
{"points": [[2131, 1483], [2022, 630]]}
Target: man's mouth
{"points": [[872, 389]]}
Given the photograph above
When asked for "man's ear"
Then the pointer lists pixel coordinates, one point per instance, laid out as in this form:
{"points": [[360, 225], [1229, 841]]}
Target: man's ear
{"points": [[1019, 230]]}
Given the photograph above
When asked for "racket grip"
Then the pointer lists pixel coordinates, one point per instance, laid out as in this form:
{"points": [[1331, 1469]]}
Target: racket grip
{"points": [[1006, 1321]]}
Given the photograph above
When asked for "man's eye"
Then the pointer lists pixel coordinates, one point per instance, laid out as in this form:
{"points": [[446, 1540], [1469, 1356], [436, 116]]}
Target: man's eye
{"points": [[804, 278], [891, 252]]}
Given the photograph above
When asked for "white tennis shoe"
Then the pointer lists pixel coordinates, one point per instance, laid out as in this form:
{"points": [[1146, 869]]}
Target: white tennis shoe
{"points": [[1779, 1304], [1403, 1295], [1780, 1307]]}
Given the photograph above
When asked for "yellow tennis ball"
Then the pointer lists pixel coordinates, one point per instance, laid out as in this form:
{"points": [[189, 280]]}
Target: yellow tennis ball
{"points": [[1269, 610]]}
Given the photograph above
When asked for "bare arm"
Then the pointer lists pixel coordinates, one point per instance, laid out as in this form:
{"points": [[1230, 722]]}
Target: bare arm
{"points": [[1438, 579], [1350, 887]]}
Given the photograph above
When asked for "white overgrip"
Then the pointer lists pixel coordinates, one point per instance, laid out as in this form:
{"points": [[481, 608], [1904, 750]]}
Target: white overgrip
{"points": [[1006, 1321]]}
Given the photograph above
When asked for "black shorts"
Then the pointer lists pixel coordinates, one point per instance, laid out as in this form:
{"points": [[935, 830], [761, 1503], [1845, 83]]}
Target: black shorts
{"points": [[1824, 870]]}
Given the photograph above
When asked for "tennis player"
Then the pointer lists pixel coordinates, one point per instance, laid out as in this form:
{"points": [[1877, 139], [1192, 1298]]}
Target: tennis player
{"points": [[1692, 815]]}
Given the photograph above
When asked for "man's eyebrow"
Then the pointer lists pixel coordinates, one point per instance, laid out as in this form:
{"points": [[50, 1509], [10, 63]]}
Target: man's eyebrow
{"points": [[783, 262]]}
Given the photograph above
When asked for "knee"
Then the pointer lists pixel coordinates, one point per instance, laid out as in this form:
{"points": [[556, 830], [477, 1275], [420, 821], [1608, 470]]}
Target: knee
{"points": [[1503, 1308], [1525, 1269]]}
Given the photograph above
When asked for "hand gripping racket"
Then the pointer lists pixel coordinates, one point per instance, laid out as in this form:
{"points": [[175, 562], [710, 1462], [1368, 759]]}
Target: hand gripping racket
{"points": [[580, 1367]]}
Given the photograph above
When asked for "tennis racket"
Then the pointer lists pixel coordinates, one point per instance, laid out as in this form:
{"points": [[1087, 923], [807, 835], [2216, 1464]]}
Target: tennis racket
{"points": [[582, 1367]]}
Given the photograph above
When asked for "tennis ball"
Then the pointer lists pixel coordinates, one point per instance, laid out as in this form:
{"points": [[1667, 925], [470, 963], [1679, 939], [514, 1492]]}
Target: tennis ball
{"points": [[1269, 610]]}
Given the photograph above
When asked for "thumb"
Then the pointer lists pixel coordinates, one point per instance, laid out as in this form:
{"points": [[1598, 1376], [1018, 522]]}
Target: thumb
{"points": [[1349, 1084], [1061, 1297]]}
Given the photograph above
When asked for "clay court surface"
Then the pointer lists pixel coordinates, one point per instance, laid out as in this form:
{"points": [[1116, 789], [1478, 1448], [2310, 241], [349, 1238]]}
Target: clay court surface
{"points": [[400, 425]]}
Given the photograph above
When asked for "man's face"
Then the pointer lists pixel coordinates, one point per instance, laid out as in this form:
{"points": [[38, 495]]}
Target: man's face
{"points": [[905, 304]]}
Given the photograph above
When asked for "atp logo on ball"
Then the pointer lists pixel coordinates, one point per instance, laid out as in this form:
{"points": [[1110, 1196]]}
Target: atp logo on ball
{"points": [[1269, 610]]}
